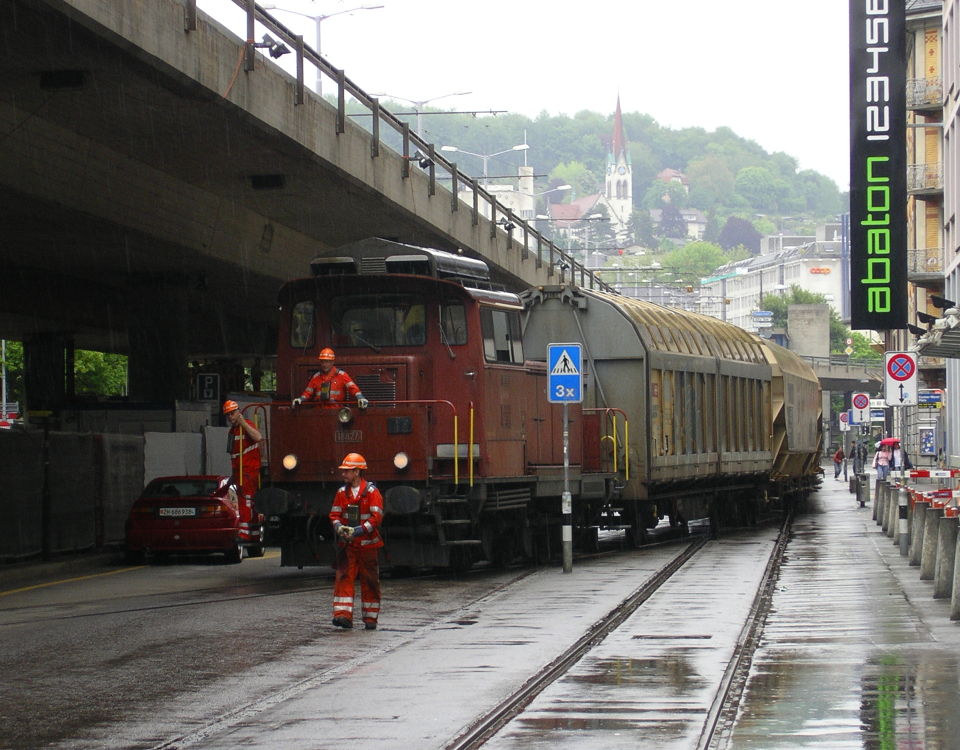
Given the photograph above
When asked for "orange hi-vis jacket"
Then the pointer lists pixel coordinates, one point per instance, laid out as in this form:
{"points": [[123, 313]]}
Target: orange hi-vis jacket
{"points": [[332, 388], [369, 514], [244, 459]]}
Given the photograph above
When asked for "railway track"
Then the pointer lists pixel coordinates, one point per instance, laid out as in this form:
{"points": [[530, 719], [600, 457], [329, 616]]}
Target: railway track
{"points": [[723, 708]]}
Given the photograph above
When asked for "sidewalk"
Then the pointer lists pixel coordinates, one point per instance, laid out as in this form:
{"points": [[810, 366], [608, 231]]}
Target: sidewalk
{"points": [[72, 565]]}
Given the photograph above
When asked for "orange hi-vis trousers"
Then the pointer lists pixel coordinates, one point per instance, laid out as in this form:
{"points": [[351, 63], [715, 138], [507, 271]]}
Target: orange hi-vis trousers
{"points": [[354, 562]]}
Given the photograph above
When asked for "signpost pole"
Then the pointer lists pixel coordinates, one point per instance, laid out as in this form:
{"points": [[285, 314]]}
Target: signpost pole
{"points": [[567, 500]]}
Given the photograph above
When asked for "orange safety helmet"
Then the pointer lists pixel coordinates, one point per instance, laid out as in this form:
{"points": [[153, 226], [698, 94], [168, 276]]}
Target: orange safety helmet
{"points": [[353, 461], [327, 353], [229, 406]]}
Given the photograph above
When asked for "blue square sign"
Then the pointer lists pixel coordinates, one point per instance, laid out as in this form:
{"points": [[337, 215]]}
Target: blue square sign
{"points": [[564, 373]]}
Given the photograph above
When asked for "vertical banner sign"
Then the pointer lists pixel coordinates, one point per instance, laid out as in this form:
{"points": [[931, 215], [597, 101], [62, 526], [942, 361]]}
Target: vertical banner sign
{"points": [[878, 173]]}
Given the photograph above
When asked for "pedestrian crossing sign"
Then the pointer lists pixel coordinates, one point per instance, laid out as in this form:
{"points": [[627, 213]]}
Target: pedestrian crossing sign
{"points": [[564, 373]]}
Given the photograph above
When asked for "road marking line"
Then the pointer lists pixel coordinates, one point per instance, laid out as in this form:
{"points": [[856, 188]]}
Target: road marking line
{"points": [[69, 580]]}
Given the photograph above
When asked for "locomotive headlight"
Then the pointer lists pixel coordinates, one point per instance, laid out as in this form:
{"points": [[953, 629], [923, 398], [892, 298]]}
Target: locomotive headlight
{"points": [[290, 462], [345, 415], [401, 461]]}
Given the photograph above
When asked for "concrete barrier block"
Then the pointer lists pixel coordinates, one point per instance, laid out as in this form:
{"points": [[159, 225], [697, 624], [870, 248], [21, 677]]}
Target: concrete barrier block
{"points": [[946, 557], [928, 557]]}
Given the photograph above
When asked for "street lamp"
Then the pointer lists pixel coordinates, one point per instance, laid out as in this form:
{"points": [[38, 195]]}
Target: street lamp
{"points": [[419, 104], [317, 20], [486, 157]]}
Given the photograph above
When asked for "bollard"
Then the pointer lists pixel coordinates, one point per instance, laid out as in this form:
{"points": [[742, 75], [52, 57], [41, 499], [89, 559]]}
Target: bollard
{"points": [[882, 495], [946, 557], [916, 527], [903, 523], [892, 513], [928, 556], [876, 502], [955, 589], [864, 492]]}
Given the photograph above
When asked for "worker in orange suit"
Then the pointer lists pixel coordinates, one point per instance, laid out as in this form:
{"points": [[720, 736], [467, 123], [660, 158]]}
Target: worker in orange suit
{"points": [[356, 516], [331, 385], [243, 445]]}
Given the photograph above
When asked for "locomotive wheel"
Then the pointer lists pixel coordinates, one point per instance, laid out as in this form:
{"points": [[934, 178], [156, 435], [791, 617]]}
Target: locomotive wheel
{"points": [[499, 542], [461, 559]]}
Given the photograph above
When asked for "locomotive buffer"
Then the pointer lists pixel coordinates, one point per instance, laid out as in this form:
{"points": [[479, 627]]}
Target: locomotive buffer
{"points": [[565, 386]]}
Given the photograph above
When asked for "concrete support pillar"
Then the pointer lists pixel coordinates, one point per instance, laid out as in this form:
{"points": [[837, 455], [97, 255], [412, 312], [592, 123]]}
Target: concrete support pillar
{"points": [[47, 382], [946, 557], [157, 365], [931, 535], [917, 515]]}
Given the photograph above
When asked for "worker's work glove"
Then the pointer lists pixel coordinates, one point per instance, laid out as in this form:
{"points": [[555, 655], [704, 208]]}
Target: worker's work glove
{"points": [[357, 531], [362, 402], [296, 402], [345, 532]]}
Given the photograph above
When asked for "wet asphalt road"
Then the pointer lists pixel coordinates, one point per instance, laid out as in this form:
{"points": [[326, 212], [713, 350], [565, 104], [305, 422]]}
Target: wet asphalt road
{"points": [[855, 653]]}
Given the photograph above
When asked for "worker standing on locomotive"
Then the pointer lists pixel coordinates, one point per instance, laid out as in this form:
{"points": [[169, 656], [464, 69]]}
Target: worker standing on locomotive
{"points": [[330, 384], [356, 515], [243, 445]]}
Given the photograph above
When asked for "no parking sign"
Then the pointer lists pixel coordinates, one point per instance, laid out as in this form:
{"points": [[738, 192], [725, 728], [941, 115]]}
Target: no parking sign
{"points": [[860, 408], [900, 379]]}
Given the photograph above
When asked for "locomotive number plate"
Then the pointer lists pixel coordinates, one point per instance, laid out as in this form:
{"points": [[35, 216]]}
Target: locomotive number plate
{"points": [[348, 436], [170, 512]]}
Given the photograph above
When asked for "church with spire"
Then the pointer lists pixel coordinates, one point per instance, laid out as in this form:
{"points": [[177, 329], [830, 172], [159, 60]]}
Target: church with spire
{"points": [[618, 187]]}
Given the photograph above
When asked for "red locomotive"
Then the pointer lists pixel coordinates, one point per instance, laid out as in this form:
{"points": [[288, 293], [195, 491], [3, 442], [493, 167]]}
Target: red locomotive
{"points": [[683, 415]]}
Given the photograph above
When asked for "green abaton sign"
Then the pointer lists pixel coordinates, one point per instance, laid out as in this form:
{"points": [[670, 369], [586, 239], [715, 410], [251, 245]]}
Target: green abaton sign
{"points": [[878, 174]]}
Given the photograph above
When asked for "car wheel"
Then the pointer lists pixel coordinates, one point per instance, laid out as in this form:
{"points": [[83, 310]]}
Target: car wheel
{"points": [[255, 551], [234, 554]]}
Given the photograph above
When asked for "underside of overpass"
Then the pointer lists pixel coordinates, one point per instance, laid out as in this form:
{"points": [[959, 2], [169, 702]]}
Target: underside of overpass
{"points": [[156, 194]]}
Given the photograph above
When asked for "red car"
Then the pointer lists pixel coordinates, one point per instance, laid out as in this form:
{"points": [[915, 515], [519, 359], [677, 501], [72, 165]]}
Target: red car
{"points": [[193, 514]]}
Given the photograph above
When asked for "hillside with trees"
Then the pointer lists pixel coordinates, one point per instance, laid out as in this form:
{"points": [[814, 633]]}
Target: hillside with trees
{"points": [[727, 176]]}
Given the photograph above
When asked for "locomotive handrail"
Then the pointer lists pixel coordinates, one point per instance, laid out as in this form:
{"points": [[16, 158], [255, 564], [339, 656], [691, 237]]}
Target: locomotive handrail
{"points": [[425, 153], [607, 410], [456, 444], [258, 406]]}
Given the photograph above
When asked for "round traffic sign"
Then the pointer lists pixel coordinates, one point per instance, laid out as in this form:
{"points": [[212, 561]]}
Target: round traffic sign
{"points": [[861, 401], [901, 367], [843, 416]]}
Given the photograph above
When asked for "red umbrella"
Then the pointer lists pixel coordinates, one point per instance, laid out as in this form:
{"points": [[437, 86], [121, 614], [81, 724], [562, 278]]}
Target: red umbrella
{"points": [[890, 441]]}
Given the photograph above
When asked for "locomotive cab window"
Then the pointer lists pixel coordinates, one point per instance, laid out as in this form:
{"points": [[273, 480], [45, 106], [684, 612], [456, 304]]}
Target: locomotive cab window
{"points": [[373, 321], [501, 336], [301, 325], [453, 323]]}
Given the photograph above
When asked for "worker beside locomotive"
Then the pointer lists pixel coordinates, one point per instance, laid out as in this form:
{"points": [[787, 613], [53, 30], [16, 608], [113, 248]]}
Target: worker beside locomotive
{"points": [[684, 416]]}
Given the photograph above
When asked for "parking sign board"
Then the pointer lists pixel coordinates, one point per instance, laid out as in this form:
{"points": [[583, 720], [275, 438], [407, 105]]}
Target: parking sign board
{"points": [[860, 408], [900, 379], [564, 373]]}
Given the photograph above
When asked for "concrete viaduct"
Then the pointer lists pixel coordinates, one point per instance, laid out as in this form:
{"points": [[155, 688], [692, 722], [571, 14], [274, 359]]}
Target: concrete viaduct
{"points": [[160, 178]]}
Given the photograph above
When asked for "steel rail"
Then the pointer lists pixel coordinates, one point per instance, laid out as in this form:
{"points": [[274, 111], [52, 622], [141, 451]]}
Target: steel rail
{"points": [[732, 683], [495, 719]]}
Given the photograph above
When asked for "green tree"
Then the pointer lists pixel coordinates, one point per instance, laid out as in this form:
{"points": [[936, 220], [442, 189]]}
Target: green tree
{"points": [[739, 232], [99, 373], [695, 260], [575, 173]]}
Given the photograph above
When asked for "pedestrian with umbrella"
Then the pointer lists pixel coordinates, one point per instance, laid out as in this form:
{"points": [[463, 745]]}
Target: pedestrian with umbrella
{"points": [[881, 459]]}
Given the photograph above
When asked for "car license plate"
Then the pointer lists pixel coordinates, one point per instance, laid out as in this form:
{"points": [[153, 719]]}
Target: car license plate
{"points": [[178, 512]]}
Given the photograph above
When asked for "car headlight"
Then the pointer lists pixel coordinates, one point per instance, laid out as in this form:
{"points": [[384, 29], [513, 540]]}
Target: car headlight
{"points": [[290, 462], [401, 461], [345, 415]]}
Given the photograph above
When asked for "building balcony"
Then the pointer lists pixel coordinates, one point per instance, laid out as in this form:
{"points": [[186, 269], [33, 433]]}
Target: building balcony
{"points": [[924, 261], [925, 93], [925, 179]]}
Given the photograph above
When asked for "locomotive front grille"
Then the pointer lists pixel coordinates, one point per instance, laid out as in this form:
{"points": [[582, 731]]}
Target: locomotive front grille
{"points": [[374, 389]]}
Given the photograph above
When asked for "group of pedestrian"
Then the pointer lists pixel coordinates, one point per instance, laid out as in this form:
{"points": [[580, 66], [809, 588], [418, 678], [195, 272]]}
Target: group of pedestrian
{"points": [[890, 455], [357, 510]]}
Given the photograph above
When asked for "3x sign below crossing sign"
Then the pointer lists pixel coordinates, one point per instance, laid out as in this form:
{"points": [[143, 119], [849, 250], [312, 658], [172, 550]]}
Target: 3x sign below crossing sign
{"points": [[564, 373]]}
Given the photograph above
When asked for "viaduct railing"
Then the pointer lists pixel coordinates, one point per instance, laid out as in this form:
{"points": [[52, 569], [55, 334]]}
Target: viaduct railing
{"points": [[409, 146]]}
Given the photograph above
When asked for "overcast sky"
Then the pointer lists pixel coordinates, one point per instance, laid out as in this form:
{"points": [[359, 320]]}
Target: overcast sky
{"points": [[774, 71]]}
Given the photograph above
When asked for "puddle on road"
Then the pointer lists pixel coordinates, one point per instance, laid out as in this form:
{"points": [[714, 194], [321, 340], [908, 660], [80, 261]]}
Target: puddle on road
{"points": [[902, 699]]}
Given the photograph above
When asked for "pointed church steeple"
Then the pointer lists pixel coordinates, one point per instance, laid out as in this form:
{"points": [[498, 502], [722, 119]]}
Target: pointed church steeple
{"points": [[618, 194]]}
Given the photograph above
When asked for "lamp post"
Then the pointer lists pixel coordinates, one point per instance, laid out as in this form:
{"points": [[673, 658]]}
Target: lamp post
{"points": [[419, 104], [317, 21], [485, 157]]}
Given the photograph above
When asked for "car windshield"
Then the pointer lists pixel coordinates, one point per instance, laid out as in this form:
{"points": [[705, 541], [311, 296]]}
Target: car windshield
{"points": [[181, 487]]}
